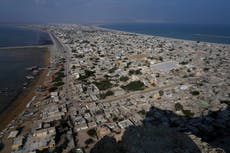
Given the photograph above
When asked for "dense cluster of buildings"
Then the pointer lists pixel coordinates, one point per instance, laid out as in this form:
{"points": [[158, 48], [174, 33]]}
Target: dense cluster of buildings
{"points": [[119, 80], [172, 72]]}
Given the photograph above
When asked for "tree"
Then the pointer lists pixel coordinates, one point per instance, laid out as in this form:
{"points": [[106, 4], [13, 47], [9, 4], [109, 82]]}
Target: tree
{"points": [[124, 78], [195, 93], [108, 93], [60, 83], [89, 141], [103, 85], [92, 133], [136, 72], [142, 112], [178, 107], [52, 89], [73, 67], [113, 70], [188, 113], [134, 86], [161, 92]]}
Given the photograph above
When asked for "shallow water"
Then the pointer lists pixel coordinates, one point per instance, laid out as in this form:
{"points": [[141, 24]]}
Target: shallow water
{"points": [[13, 62]]}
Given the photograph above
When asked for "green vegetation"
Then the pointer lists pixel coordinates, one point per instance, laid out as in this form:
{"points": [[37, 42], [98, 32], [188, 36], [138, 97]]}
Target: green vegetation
{"points": [[131, 72], [128, 64], [135, 72], [113, 70], [59, 74], [62, 60], [106, 76], [58, 84], [52, 89], [184, 63], [92, 133], [88, 74], [79, 56], [124, 78], [178, 107], [108, 93], [57, 79], [103, 85], [188, 113], [134, 86], [89, 141], [195, 93], [161, 59], [73, 67], [142, 112], [161, 92], [205, 69], [204, 104], [225, 102]]}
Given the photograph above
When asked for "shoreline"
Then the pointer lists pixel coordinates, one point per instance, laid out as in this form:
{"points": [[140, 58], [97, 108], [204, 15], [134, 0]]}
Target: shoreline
{"points": [[30, 46], [19, 103], [160, 37]]}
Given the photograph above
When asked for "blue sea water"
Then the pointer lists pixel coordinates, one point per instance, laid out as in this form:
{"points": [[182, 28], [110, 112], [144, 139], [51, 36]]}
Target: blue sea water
{"points": [[11, 36], [13, 62], [205, 33]]}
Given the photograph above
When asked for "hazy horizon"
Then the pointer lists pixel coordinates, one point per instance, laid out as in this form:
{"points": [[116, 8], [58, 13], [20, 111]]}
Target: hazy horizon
{"points": [[115, 11]]}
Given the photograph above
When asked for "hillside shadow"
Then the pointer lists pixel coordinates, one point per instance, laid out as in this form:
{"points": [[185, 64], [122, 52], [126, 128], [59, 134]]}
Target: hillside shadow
{"points": [[163, 131]]}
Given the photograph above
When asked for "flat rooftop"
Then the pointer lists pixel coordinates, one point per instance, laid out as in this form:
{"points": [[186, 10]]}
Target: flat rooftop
{"points": [[164, 67]]}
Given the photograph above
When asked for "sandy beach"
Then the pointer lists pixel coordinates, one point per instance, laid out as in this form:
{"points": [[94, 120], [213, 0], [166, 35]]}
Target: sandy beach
{"points": [[20, 102]]}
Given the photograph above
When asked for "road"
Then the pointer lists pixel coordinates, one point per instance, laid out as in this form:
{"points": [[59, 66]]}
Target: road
{"points": [[135, 93], [66, 55]]}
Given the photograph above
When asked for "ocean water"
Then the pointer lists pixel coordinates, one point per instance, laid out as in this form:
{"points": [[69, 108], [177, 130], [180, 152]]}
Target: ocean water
{"points": [[13, 62], [11, 36], [205, 33]]}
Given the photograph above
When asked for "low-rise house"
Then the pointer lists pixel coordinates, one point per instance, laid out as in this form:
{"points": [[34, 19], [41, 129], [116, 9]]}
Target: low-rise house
{"points": [[44, 132], [87, 115], [100, 119], [80, 127], [39, 143], [92, 124], [41, 139], [52, 113], [125, 123], [54, 94], [18, 143], [136, 119], [13, 134]]}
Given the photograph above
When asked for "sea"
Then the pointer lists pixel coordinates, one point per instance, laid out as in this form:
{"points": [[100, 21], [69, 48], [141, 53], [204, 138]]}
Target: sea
{"points": [[203, 33], [15, 61]]}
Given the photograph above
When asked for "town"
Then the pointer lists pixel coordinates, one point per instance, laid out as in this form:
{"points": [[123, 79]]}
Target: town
{"points": [[102, 82]]}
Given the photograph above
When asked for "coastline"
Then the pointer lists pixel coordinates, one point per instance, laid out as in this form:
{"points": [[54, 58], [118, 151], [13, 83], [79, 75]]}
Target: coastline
{"points": [[160, 37], [32, 46], [19, 103]]}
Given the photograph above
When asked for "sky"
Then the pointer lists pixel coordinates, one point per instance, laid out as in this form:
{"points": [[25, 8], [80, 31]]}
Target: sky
{"points": [[115, 11]]}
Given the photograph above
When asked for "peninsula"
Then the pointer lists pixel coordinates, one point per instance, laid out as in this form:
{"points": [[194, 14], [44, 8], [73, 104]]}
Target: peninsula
{"points": [[113, 91]]}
